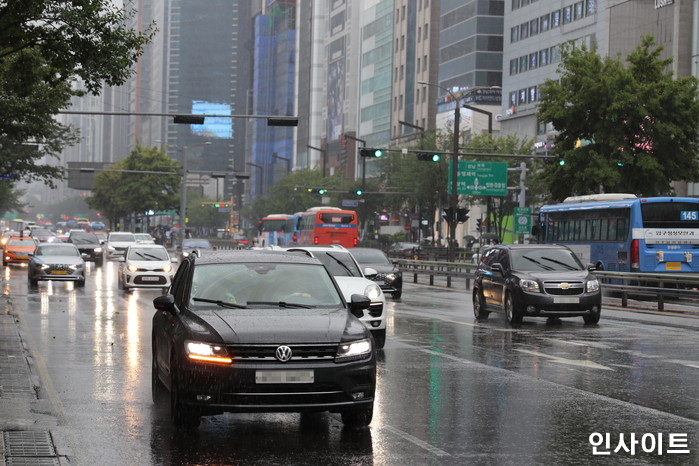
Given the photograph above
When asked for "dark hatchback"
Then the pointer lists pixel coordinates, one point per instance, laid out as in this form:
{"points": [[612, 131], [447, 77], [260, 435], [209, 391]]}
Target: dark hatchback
{"points": [[260, 331], [535, 280], [389, 276], [89, 244]]}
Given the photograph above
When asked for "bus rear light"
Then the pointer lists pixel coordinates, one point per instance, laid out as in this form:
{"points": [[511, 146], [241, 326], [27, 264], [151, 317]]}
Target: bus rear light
{"points": [[316, 240], [635, 257], [355, 241]]}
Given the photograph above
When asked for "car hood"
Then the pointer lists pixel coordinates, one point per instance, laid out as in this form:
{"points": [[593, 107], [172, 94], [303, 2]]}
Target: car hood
{"points": [[277, 325], [121, 244], [67, 260], [148, 264], [557, 275], [381, 268], [354, 285]]}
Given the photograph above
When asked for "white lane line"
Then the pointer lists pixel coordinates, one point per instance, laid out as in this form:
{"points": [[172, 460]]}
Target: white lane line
{"points": [[570, 362], [420, 443], [693, 364]]}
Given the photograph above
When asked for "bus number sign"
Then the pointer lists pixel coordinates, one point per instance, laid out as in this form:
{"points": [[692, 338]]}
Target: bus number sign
{"points": [[689, 215]]}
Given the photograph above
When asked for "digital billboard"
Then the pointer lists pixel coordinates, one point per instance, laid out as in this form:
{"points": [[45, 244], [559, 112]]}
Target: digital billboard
{"points": [[213, 127]]}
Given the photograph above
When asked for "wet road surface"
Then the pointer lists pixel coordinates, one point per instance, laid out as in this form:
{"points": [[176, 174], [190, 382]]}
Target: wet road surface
{"points": [[450, 390]]}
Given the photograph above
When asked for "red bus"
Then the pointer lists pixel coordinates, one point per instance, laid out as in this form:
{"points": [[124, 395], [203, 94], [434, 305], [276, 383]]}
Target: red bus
{"points": [[328, 225]]}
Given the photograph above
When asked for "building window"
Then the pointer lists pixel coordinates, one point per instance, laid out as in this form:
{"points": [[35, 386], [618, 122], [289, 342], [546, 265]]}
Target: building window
{"points": [[401, 72], [396, 44], [515, 4], [579, 12], [591, 7], [513, 66], [532, 94], [395, 103], [424, 63], [522, 96], [424, 95], [555, 19], [544, 23], [417, 95], [417, 69], [402, 13], [402, 42], [513, 99], [523, 64], [419, 33], [400, 102], [514, 34], [534, 27], [533, 60], [555, 54], [524, 31], [567, 14], [395, 74], [544, 57], [424, 30]]}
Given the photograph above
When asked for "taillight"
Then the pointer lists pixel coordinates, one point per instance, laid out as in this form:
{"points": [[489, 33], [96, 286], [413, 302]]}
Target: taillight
{"points": [[354, 241], [316, 240], [635, 256], [295, 238]]}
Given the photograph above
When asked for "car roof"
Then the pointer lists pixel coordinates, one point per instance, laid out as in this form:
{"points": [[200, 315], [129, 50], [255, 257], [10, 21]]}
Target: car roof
{"points": [[528, 246], [262, 256], [314, 247]]}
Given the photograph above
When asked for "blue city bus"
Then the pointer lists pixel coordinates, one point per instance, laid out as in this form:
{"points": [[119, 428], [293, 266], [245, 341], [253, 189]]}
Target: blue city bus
{"points": [[621, 232], [278, 230]]}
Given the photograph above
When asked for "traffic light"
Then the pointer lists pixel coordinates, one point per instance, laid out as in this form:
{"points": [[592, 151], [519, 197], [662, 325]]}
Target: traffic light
{"points": [[222, 204], [317, 190], [479, 224], [343, 143], [370, 152], [429, 157], [358, 192], [561, 162], [461, 215], [619, 163], [448, 214]]}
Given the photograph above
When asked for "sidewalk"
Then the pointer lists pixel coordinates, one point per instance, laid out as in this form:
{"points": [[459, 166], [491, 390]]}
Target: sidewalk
{"points": [[26, 424]]}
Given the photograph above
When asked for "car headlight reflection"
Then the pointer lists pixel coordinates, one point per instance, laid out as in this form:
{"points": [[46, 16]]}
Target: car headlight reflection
{"points": [[206, 352], [529, 285], [372, 292], [359, 349], [592, 286]]}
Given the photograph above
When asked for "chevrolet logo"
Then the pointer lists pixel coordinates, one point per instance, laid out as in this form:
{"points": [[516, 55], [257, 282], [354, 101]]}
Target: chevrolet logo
{"points": [[564, 286]]}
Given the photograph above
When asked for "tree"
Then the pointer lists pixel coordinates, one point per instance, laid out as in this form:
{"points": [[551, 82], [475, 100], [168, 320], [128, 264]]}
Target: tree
{"points": [[127, 187], [622, 128], [45, 45]]}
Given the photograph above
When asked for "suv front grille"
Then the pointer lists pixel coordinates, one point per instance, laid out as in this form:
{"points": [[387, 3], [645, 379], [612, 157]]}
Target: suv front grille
{"points": [[299, 353], [564, 288]]}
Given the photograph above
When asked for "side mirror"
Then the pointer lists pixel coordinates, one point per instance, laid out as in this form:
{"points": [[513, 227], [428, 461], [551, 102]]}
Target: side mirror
{"points": [[358, 303], [165, 303], [121, 259], [370, 273], [85, 255], [173, 259], [497, 267]]}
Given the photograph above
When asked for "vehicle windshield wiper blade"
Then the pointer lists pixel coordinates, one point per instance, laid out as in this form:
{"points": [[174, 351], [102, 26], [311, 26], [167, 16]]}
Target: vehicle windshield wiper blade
{"points": [[344, 266], [220, 303], [544, 266], [282, 304], [568, 266]]}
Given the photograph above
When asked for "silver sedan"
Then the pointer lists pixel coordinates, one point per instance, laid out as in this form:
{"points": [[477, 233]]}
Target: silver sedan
{"points": [[56, 261]]}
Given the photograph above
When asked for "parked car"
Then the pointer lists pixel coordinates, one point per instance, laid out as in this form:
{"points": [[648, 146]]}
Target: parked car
{"points": [[388, 276], [116, 244], [535, 280], [88, 244], [260, 331], [17, 249], [56, 261], [352, 280], [145, 265]]}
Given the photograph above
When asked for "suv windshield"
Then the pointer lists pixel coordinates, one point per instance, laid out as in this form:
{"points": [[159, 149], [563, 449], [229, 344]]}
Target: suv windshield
{"points": [[370, 256], [544, 259], [83, 238], [262, 284]]}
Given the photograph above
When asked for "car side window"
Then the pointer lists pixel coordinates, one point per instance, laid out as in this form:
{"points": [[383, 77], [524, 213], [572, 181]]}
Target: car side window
{"points": [[504, 259], [489, 258]]}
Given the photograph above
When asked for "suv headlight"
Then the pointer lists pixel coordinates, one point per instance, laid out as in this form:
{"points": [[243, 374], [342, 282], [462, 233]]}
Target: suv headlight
{"points": [[531, 286], [592, 286], [206, 352], [372, 292], [353, 350]]}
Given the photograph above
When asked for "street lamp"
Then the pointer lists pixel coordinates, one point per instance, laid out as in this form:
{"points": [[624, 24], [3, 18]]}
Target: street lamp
{"points": [[484, 112], [454, 197], [279, 157], [217, 176], [322, 153], [262, 175]]}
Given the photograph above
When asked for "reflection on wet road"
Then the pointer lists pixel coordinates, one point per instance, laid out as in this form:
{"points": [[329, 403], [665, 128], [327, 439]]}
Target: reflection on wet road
{"points": [[450, 390]]}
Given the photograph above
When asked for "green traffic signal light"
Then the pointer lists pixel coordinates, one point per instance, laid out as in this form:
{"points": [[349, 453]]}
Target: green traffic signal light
{"points": [[359, 192], [378, 153], [436, 157], [562, 162], [322, 191]]}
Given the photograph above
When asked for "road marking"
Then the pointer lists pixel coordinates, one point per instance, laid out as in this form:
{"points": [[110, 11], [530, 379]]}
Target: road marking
{"points": [[693, 364], [590, 344], [570, 362], [420, 443]]}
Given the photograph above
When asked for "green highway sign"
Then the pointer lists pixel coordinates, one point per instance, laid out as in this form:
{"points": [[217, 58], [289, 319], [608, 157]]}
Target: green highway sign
{"points": [[480, 178], [523, 220]]}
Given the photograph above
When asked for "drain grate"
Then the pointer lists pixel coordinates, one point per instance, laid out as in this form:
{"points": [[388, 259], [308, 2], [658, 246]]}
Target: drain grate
{"points": [[28, 443], [19, 461]]}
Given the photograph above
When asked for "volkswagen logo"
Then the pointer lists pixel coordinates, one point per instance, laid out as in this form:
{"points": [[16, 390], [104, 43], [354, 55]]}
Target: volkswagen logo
{"points": [[283, 353]]}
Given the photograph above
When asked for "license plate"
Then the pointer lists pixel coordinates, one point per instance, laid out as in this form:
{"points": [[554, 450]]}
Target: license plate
{"points": [[150, 279], [565, 300], [673, 266], [300, 376], [59, 272]]}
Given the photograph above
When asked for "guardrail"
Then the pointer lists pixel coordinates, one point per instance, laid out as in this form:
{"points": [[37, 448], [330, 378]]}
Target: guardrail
{"points": [[660, 287]]}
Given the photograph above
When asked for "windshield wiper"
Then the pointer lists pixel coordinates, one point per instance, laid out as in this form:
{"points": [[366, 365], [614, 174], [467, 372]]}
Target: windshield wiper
{"points": [[568, 266], [220, 303], [344, 266], [543, 266], [282, 304]]}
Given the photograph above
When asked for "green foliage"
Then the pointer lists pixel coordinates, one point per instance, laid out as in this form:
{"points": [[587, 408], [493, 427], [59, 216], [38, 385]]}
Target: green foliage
{"points": [[204, 215], [641, 124], [9, 198], [44, 46], [120, 193]]}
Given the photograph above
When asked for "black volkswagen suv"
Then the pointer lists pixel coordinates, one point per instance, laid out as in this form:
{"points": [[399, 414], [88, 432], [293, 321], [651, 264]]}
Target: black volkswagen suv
{"points": [[535, 280], [261, 331]]}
